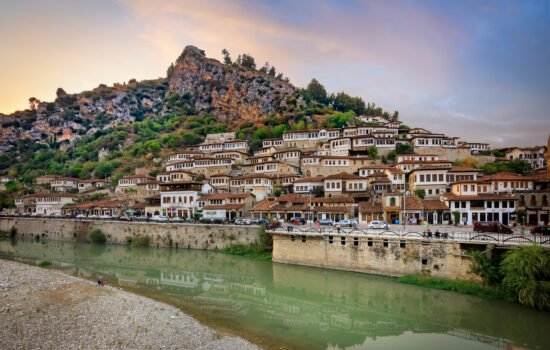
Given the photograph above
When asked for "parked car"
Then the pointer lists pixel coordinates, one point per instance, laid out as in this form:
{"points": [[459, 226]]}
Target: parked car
{"points": [[254, 221], [297, 221], [106, 217], [81, 216], [142, 218], [211, 221], [159, 218], [541, 230], [177, 219], [329, 222], [378, 225], [491, 226], [241, 221], [347, 223]]}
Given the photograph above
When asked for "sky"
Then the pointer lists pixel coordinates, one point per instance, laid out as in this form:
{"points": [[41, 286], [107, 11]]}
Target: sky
{"points": [[479, 70]]}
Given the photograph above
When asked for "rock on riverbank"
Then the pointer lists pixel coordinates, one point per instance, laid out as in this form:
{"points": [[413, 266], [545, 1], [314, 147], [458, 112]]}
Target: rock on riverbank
{"points": [[44, 309]]}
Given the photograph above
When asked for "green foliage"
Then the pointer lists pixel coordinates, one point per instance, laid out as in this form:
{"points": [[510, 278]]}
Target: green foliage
{"points": [[343, 102], [43, 263], [456, 217], [97, 236], [461, 286], [526, 272], [373, 152], [391, 155], [317, 91], [518, 166], [403, 149], [486, 266], [420, 193], [248, 251], [140, 241], [340, 120], [265, 240]]}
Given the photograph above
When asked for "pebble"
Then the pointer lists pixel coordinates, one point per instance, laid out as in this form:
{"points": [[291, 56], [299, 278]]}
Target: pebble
{"points": [[75, 314]]}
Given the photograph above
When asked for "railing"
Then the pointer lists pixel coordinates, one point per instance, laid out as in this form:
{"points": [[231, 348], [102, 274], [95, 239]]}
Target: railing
{"points": [[484, 237]]}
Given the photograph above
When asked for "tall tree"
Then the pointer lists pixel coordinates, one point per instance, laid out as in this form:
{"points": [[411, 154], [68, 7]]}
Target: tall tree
{"points": [[317, 91], [248, 61], [226, 57]]}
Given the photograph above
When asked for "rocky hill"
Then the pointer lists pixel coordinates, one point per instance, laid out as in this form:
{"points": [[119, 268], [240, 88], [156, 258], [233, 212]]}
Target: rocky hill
{"points": [[228, 92], [195, 85]]}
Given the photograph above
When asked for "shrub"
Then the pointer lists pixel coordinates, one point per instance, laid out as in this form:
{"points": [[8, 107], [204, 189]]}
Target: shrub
{"points": [[526, 273], [44, 263], [140, 241], [97, 236]]}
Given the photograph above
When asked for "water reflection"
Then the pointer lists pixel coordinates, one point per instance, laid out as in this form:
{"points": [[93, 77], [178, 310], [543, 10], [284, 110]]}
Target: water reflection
{"points": [[297, 306]]}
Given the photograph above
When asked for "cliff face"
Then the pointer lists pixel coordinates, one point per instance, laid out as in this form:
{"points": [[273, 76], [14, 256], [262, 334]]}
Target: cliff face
{"points": [[230, 93]]}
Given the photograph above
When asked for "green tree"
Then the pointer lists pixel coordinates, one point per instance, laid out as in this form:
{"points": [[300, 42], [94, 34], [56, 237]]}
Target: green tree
{"points": [[373, 152], [317, 91], [519, 166], [526, 273], [343, 102], [401, 148], [247, 61], [420, 193], [226, 57]]}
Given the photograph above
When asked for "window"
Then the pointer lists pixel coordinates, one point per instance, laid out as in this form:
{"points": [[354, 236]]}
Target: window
{"points": [[386, 243], [356, 241], [330, 239], [463, 205], [369, 242], [489, 204], [343, 240], [402, 244]]}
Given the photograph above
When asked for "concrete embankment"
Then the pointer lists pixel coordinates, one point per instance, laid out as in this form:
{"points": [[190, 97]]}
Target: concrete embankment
{"points": [[191, 236], [43, 309]]}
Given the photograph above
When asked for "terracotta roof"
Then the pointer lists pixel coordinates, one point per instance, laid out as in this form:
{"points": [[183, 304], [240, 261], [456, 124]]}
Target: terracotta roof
{"points": [[289, 197], [344, 176], [97, 204], [310, 179], [374, 166], [138, 177], [506, 177], [221, 175], [44, 195], [463, 168], [367, 207], [409, 161], [216, 196], [332, 209], [223, 207], [264, 205], [430, 168], [434, 204], [413, 203], [332, 200], [482, 196]]}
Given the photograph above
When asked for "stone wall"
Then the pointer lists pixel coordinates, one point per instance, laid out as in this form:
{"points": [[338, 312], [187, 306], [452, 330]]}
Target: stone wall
{"points": [[390, 257], [193, 236], [452, 154]]}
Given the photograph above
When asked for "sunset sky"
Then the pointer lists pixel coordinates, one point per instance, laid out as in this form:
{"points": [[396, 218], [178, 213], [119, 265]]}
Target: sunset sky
{"points": [[473, 69]]}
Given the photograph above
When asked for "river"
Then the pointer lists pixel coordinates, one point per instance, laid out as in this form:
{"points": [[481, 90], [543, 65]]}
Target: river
{"points": [[294, 307]]}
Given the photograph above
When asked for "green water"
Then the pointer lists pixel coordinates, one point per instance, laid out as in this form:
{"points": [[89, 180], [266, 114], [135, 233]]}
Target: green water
{"points": [[281, 306]]}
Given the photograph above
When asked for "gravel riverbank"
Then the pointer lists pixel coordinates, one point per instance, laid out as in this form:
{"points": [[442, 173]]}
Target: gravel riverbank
{"points": [[46, 309]]}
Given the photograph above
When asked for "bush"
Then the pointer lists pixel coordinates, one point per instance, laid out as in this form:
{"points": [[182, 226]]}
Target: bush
{"points": [[526, 272], [97, 236], [140, 241], [43, 263]]}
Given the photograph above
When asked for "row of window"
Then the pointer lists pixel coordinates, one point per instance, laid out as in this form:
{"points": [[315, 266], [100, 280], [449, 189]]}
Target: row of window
{"points": [[485, 204]]}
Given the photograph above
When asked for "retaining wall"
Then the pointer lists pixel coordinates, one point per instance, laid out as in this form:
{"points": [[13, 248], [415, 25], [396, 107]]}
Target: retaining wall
{"points": [[192, 236], [389, 257]]}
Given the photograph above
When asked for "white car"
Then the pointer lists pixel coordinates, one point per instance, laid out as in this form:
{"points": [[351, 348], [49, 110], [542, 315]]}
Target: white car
{"points": [[81, 216], [160, 218], [378, 225]]}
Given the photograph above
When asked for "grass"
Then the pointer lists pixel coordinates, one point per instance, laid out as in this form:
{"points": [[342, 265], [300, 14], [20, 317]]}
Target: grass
{"points": [[249, 251], [140, 241], [43, 263], [460, 286]]}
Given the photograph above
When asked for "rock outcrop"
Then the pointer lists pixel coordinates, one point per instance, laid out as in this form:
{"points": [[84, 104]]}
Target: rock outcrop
{"points": [[230, 93]]}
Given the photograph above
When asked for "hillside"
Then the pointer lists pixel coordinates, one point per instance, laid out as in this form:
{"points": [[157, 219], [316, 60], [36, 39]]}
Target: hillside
{"points": [[114, 129]]}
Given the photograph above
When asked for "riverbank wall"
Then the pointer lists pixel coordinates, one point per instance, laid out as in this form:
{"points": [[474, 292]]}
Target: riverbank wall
{"points": [[189, 236], [382, 256]]}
